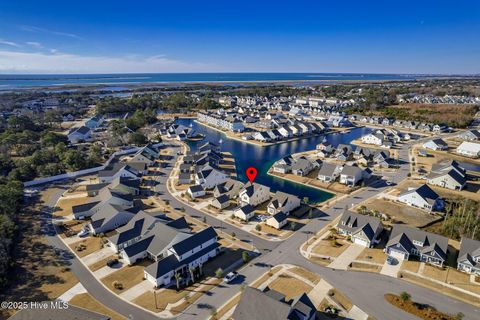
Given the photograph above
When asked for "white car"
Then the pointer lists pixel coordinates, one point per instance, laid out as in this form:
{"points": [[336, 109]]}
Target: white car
{"points": [[230, 277], [83, 233]]}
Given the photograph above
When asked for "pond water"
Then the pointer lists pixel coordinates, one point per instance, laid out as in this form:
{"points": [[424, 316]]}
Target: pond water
{"points": [[249, 155]]}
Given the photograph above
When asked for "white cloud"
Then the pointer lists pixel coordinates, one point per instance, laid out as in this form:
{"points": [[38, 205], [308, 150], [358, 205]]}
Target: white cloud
{"points": [[34, 44], [59, 62], [9, 43], [54, 32]]}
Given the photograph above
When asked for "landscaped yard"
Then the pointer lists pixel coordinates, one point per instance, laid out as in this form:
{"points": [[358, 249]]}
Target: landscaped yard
{"points": [[451, 276], [87, 246], [85, 300], [289, 286], [128, 277]]}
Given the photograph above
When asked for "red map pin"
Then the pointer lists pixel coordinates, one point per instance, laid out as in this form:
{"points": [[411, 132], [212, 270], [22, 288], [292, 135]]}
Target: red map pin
{"points": [[251, 174]]}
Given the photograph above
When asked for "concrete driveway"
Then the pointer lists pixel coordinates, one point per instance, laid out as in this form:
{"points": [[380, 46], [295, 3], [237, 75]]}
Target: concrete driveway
{"points": [[97, 256], [346, 257], [391, 270]]}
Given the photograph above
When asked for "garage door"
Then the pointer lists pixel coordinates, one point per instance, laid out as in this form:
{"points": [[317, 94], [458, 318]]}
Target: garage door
{"points": [[397, 254], [360, 242]]}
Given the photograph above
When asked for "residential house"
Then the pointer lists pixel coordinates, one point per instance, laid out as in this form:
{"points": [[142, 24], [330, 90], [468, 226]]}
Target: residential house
{"points": [[302, 167], [254, 194], [283, 165], [436, 144], [220, 202], [117, 170], [469, 135], [469, 257], [209, 177], [277, 221], [109, 217], [329, 172], [77, 135], [244, 212], [94, 122], [372, 138], [469, 149], [196, 191], [362, 229], [272, 305], [183, 256], [283, 202], [351, 175], [422, 197], [406, 241], [105, 196], [448, 174], [230, 187]]}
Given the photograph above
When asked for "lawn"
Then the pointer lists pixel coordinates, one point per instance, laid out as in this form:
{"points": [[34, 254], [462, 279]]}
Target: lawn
{"points": [[91, 244], [101, 263], [128, 277], [373, 255], [328, 248], [71, 228], [85, 300], [339, 298], [289, 286], [451, 276], [410, 265]]}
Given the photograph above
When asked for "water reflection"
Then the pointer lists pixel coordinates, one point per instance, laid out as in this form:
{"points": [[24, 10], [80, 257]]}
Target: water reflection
{"points": [[262, 158]]}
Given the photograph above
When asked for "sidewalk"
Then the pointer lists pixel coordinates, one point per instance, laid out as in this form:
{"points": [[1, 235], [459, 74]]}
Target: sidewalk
{"points": [[343, 260]]}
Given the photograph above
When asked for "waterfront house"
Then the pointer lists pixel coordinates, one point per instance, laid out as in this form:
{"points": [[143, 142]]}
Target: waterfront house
{"points": [[329, 172], [302, 167], [272, 305], [469, 149], [406, 241], [283, 202], [447, 174], [209, 177], [469, 257], [254, 194], [230, 187], [183, 256], [351, 175], [436, 144], [373, 138], [422, 197], [362, 229], [283, 165]]}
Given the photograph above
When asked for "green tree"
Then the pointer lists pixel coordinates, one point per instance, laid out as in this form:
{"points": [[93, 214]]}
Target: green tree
{"points": [[178, 278], [245, 256], [405, 296]]}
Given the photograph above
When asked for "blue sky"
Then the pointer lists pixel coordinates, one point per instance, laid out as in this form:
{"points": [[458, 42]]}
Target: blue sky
{"points": [[239, 36]]}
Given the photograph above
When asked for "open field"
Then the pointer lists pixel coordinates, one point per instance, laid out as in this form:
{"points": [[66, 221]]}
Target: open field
{"points": [[85, 300], [401, 213]]}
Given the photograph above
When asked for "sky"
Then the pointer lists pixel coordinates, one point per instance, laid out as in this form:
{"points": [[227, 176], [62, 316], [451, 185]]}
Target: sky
{"points": [[103, 36]]}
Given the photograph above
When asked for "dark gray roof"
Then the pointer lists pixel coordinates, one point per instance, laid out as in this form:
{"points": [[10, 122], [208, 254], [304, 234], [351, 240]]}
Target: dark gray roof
{"points": [[280, 216], [70, 313], [194, 240], [84, 207], [469, 249], [327, 169], [354, 222], [222, 198], [195, 188], [425, 192]]}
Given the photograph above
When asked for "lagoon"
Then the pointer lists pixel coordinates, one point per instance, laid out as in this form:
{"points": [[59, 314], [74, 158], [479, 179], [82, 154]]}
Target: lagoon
{"points": [[249, 155]]}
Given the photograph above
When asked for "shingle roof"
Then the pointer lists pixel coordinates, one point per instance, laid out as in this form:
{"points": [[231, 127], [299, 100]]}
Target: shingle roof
{"points": [[194, 240]]}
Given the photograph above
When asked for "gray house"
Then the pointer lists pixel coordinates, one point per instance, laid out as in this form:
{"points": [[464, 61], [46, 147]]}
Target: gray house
{"points": [[407, 241], [422, 197], [272, 305], [362, 229], [469, 257], [448, 175]]}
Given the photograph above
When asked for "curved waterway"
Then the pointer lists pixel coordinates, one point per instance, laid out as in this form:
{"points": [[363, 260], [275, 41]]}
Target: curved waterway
{"points": [[249, 155]]}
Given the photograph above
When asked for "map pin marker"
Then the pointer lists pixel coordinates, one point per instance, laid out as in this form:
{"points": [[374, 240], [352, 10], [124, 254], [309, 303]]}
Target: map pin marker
{"points": [[251, 174]]}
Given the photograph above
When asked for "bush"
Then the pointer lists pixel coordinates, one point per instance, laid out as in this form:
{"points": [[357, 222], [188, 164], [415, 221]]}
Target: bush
{"points": [[405, 296], [117, 285], [112, 262], [258, 227]]}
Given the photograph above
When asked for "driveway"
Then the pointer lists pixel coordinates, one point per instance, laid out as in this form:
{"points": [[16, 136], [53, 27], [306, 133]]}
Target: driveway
{"points": [[97, 256], [346, 257], [391, 270]]}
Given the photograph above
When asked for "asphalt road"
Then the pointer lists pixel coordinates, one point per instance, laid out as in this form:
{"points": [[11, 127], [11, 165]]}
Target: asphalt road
{"points": [[366, 290]]}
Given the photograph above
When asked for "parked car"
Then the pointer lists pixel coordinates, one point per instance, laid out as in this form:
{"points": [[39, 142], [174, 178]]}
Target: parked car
{"points": [[83, 233], [230, 277]]}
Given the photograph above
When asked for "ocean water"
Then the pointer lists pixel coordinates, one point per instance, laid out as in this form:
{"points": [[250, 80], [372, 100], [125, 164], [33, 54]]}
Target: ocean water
{"points": [[16, 81]]}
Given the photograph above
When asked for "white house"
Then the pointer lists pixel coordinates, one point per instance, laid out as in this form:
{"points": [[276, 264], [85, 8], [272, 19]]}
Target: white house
{"points": [[209, 177], [351, 175], [283, 202], [329, 172], [448, 175], [277, 221], [469, 149], [254, 194], [375, 139], [469, 257], [245, 212], [422, 197], [196, 191], [436, 144], [77, 135]]}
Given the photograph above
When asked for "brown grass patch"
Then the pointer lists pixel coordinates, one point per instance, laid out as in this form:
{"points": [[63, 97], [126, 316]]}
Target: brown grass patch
{"points": [[289, 286], [422, 311], [373, 255], [91, 244], [341, 299], [64, 205], [358, 266], [85, 300], [312, 277], [128, 276], [101, 263]]}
